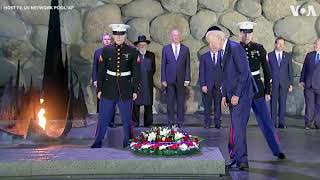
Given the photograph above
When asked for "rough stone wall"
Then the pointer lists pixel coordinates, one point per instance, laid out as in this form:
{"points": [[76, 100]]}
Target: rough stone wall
{"points": [[23, 35]]}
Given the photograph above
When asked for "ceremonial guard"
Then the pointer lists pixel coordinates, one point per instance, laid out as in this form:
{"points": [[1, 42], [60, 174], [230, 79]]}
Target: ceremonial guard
{"points": [[145, 96], [106, 41], [118, 80], [256, 55]]}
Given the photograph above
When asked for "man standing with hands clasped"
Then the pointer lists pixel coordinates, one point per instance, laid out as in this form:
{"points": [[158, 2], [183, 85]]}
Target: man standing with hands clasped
{"points": [[175, 76]]}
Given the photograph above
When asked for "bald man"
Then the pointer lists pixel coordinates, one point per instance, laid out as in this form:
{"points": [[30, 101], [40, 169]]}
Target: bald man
{"points": [[238, 89]]}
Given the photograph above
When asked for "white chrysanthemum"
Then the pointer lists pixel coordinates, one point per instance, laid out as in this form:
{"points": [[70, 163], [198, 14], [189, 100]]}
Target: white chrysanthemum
{"points": [[183, 147], [146, 146], [152, 136], [132, 144], [195, 145], [178, 135], [164, 132], [162, 147]]}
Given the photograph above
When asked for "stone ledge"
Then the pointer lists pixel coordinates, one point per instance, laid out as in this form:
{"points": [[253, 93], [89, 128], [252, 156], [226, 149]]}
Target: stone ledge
{"points": [[107, 162]]}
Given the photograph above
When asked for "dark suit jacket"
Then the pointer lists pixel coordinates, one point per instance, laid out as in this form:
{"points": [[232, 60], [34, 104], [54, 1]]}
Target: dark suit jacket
{"points": [[209, 73], [281, 76], [113, 87], [147, 72], [175, 71], [310, 73], [236, 76], [95, 68]]}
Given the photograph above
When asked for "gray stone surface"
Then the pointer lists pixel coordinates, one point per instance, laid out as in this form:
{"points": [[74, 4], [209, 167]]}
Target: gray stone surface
{"points": [[300, 51], [249, 8], [12, 27], [117, 1], [230, 21], [143, 8], [80, 3], [299, 30], [188, 7], [96, 23], [200, 22], [39, 37], [138, 26], [162, 25], [263, 33], [277, 9], [39, 17], [215, 5], [71, 26], [77, 161]]}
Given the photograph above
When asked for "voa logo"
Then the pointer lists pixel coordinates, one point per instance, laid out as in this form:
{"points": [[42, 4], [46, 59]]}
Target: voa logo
{"points": [[296, 11]]}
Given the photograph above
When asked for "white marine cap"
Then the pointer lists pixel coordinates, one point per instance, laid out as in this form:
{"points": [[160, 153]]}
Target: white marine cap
{"points": [[246, 26], [119, 29]]}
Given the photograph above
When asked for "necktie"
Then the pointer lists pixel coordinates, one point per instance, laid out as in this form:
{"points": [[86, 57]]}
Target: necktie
{"points": [[176, 52], [279, 59], [317, 58], [214, 58]]}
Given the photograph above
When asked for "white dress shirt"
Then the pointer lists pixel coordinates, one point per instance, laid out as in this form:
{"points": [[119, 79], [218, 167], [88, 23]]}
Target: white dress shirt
{"points": [[173, 49]]}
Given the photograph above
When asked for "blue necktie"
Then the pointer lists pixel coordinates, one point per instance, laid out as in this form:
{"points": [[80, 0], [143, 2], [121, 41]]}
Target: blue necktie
{"points": [[214, 58], [317, 58], [279, 59]]}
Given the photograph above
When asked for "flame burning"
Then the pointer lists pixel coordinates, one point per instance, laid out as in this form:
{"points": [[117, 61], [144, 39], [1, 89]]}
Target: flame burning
{"points": [[41, 116]]}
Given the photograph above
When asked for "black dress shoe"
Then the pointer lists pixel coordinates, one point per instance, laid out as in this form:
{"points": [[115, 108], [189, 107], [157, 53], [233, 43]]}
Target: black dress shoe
{"points": [[281, 156], [232, 164], [96, 145], [243, 166], [281, 126], [217, 126], [206, 126], [316, 127], [136, 125], [112, 125]]}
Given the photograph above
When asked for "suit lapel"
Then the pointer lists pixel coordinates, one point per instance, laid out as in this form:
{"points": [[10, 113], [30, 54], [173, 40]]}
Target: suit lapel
{"points": [[313, 58], [225, 54], [275, 59], [171, 51], [180, 52]]}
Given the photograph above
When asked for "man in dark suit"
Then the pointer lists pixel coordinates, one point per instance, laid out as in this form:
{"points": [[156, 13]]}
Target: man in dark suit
{"points": [[210, 73], [145, 96], [238, 89], [280, 63], [106, 40], [118, 84], [175, 76], [310, 81], [256, 55]]}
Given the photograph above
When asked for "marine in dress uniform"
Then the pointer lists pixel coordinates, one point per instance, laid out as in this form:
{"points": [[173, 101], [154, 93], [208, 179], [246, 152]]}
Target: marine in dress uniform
{"points": [[256, 55], [145, 96], [106, 40], [118, 81]]}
